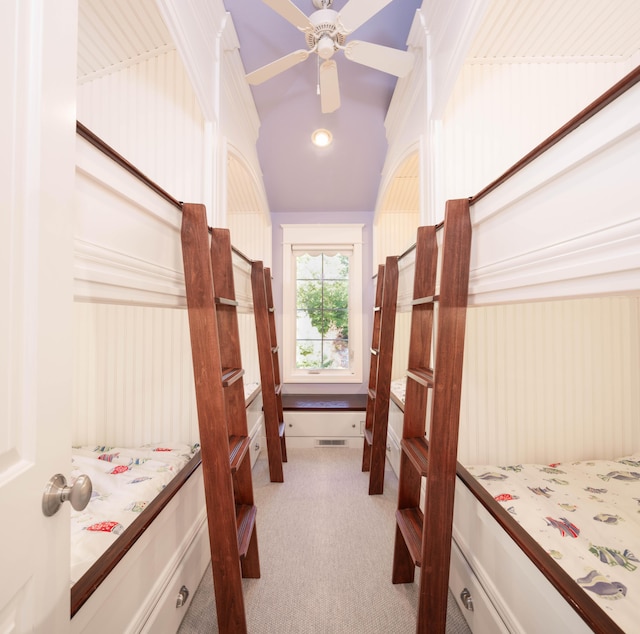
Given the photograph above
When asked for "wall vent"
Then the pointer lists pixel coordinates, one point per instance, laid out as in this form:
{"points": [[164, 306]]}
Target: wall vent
{"points": [[331, 442]]}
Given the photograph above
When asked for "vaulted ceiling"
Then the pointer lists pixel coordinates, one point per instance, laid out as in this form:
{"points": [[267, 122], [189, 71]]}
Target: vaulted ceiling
{"points": [[346, 175]]}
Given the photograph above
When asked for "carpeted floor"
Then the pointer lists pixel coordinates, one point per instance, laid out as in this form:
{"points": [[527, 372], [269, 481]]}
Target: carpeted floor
{"points": [[326, 553]]}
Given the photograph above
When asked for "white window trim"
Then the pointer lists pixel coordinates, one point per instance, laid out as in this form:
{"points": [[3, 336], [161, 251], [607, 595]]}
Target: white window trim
{"points": [[326, 237]]}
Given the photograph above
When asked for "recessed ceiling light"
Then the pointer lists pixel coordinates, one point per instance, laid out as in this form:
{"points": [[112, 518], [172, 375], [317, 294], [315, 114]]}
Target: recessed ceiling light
{"points": [[321, 137]]}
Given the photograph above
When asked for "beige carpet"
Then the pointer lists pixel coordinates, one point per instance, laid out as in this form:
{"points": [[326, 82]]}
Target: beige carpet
{"points": [[326, 552]]}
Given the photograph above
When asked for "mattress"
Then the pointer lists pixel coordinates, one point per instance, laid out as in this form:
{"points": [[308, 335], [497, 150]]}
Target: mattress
{"points": [[586, 515], [124, 481]]}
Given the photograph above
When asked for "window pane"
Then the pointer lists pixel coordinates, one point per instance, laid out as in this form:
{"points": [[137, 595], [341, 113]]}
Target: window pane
{"points": [[308, 354], [309, 295], [335, 354], [322, 307], [338, 322], [305, 328], [309, 267], [335, 295], [336, 267]]}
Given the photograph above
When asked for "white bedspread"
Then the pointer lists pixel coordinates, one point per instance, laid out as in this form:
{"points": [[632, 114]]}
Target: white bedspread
{"points": [[124, 482], [587, 516]]}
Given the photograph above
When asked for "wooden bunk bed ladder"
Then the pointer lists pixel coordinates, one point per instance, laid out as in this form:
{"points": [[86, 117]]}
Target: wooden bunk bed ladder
{"points": [[269, 369], [222, 418], [423, 537], [377, 416]]}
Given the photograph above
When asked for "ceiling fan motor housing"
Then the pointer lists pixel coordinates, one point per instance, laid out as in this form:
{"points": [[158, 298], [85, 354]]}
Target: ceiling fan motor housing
{"points": [[325, 34]]}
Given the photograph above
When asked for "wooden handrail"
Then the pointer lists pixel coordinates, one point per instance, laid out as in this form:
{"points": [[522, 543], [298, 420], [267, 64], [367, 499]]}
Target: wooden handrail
{"points": [[116, 157], [106, 149]]}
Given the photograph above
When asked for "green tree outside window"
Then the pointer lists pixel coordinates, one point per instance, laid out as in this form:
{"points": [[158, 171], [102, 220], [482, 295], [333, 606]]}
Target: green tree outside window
{"points": [[322, 306]]}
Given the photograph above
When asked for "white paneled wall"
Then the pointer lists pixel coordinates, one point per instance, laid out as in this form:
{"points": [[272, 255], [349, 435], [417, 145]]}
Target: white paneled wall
{"points": [[251, 234], [149, 114], [551, 381], [399, 215], [395, 232], [500, 111], [133, 377], [249, 348]]}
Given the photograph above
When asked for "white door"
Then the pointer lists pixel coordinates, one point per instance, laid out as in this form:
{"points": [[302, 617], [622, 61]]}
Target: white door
{"points": [[37, 139]]}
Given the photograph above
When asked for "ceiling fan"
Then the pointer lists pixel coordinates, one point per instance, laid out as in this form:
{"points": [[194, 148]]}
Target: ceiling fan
{"points": [[326, 31]]}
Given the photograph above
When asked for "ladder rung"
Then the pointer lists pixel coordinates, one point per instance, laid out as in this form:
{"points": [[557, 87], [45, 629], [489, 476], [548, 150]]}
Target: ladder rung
{"points": [[271, 309], [368, 436], [275, 349], [238, 446], [410, 523], [281, 427], [424, 376], [245, 519], [226, 302], [374, 351], [417, 450], [425, 300], [372, 394], [278, 388], [231, 375], [376, 309]]}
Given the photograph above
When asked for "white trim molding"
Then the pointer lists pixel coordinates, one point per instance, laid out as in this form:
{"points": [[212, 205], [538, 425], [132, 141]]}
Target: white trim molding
{"points": [[322, 236]]}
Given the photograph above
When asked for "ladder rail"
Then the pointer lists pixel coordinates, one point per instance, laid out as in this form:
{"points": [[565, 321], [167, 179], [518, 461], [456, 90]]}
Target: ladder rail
{"points": [[220, 406], [267, 358], [423, 538], [276, 362], [384, 354]]}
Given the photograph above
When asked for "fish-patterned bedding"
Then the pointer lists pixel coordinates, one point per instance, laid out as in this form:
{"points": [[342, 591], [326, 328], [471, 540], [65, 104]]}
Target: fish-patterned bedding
{"points": [[587, 517], [124, 481]]}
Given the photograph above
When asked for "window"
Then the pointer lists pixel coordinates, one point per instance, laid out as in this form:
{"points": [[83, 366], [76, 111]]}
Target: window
{"points": [[322, 318]]}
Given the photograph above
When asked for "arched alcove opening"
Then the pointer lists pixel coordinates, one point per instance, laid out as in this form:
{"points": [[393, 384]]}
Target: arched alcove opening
{"points": [[398, 216]]}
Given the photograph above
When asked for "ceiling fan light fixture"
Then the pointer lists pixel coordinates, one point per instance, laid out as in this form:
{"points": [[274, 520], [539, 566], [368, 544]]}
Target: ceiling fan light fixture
{"points": [[326, 47], [321, 137]]}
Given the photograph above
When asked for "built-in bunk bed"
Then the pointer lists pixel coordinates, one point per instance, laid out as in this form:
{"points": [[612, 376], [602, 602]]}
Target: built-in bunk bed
{"points": [[555, 250], [141, 546]]}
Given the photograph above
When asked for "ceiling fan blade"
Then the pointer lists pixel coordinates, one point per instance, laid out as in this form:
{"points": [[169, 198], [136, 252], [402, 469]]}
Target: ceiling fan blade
{"points": [[357, 12], [291, 13], [329, 87], [389, 60], [275, 68]]}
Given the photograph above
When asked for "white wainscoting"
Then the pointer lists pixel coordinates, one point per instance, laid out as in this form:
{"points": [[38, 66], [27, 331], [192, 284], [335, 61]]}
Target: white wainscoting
{"points": [[133, 377], [547, 381], [133, 374], [551, 381]]}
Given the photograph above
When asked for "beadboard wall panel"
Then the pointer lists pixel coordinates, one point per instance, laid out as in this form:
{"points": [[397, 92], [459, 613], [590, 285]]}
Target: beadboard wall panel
{"points": [[551, 381], [133, 374], [500, 111], [133, 378], [251, 234], [149, 114], [395, 232]]}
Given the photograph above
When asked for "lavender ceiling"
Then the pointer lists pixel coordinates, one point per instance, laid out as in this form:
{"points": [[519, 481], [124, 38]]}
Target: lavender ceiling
{"points": [[299, 177]]}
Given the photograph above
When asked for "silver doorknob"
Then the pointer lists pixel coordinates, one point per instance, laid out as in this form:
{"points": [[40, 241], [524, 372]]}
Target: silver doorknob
{"points": [[56, 492]]}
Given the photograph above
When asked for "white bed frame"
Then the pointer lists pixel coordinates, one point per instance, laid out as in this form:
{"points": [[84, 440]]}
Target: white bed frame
{"points": [[128, 251], [564, 222]]}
